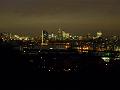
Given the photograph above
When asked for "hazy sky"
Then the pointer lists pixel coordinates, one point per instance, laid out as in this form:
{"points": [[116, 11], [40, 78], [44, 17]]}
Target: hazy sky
{"points": [[78, 16]]}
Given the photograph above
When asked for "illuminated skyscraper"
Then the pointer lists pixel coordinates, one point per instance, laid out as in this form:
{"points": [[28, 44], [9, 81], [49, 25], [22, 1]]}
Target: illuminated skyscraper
{"points": [[62, 35], [44, 37], [99, 34]]}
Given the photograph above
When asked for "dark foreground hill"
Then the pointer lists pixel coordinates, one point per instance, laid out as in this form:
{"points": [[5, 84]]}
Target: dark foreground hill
{"points": [[70, 70]]}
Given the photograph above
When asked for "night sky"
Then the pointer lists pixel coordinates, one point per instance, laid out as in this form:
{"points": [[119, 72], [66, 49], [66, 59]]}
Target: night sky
{"points": [[75, 16]]}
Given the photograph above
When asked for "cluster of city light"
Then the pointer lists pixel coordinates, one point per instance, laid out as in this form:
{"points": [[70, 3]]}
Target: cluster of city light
{"points": [[61, 35], [97, 42], [7, 36], [117, 48], [20, 38]]}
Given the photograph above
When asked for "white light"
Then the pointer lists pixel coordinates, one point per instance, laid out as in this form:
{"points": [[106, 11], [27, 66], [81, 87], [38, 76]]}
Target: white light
{"points": [[117, 58], [24, 51], [51, 48], [38, 51], [26, 38], [106, 59], [20, 38], [49, 70], [106, 64], [69, 69]]}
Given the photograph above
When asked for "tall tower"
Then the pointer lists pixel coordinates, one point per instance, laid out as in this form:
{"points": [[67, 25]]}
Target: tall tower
{"points": [[44, 37], [60, 33]]}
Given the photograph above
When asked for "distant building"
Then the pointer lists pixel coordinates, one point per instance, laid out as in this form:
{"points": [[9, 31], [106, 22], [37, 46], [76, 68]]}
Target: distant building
{"points": [[60, 34], [99, 34], [65, 35], [52, 36], [44, 37], [80, 37]]}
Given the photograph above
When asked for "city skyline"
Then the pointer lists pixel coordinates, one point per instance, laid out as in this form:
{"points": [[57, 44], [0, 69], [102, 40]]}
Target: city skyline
{"points": [[93, 34], [78, 16]]}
